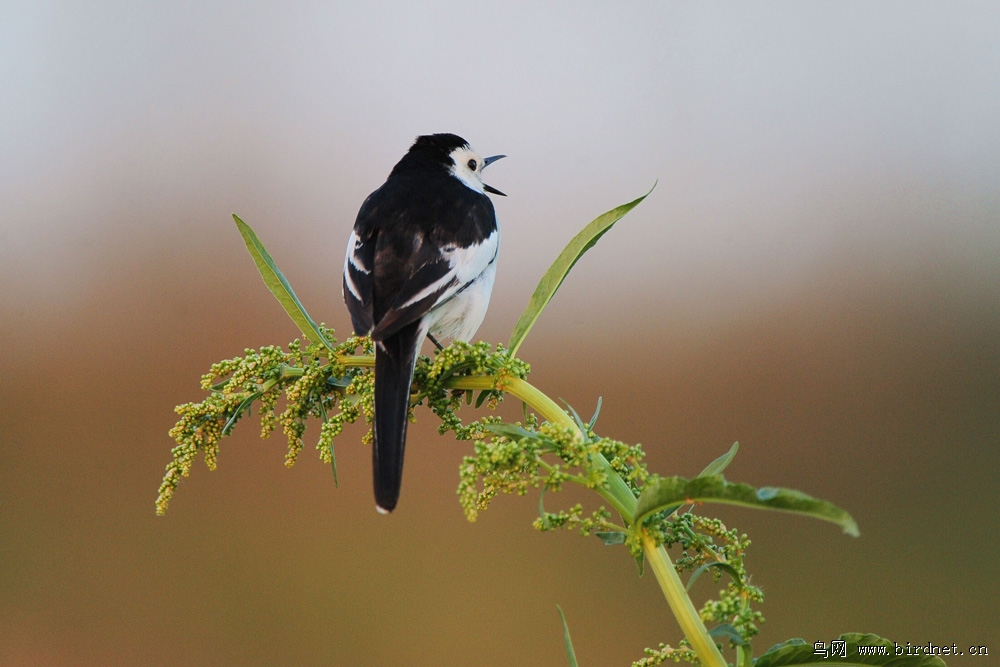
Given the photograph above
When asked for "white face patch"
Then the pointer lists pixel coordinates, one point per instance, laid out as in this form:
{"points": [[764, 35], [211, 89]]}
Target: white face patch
{"points": [[467, 167]]}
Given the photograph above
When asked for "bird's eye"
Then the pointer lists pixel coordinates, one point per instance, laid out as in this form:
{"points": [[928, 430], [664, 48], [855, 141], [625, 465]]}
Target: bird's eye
{"points": [[472, 165]]}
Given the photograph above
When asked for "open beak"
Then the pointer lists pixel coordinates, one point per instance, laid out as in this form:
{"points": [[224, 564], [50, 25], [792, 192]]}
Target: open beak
{"points": [[487, 161]]}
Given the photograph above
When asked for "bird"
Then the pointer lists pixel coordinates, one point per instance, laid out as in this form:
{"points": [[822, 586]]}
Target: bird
{"points": [[421, 262]]}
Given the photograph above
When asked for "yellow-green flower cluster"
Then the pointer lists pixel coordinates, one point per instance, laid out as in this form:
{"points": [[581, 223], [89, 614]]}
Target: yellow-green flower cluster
{"points": [[337, 387], [314, 380], [733, 607], [734, 603], [504, 465], [665, 653], [573, 518], [706, 543], [626, 460], [203, 424], [458, 360], [517, 458]]}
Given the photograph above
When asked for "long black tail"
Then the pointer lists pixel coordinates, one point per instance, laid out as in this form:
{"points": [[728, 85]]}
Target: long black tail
{"points": [[394, 359]]}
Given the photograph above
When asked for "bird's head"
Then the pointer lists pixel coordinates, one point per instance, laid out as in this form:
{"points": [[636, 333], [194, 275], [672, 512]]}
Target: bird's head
{"points": [[467, 166], [458, 158]]}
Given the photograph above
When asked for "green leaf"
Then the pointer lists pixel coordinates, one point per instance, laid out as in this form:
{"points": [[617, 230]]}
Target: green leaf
{"points": [[717, 466], [727, 631], [611, 537], [797, 652], [482, 397], [333, 453], [333, 466], [278, 284], [554, 277], [597, 412], [570, 653], [669, 492], [725, 567], [576, 418], [247, 402], [512, 431]]}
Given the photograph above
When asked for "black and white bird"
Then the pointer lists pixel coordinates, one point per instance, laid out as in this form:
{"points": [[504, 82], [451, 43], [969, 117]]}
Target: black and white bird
{"points": [[420, 261]]}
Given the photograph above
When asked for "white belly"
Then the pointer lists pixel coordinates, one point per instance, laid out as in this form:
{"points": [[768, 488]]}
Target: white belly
{"points": [[459, 317]]}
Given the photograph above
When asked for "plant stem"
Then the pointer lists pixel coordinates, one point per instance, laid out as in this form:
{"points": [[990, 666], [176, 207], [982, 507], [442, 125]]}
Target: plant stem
{"points": [[356, 360], [680, 603], [616, 492], [621, 497]]}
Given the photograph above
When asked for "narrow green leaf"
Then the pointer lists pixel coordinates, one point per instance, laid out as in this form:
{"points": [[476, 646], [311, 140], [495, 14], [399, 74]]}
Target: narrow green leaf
{"points": [[597, 412], [610, 538], [247, 402], [576, 418], [725, 567], [279, 286], [541, 506], [554, 277], [797, 652], [717, 466], [727, 631], [333, 454], [512, 431], [669, 492], [482, 398], [343, 382], [570, 653]]}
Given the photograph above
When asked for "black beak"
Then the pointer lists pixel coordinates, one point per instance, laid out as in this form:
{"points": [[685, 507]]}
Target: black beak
{"points": [[487, 161]]}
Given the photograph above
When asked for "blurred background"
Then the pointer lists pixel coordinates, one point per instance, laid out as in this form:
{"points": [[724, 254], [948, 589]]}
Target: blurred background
{"points": [[815, 275]]}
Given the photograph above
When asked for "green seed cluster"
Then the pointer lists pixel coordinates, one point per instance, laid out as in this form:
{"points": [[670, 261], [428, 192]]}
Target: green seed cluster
{"points": [[513, 459], [734, 603], [707, 542], [431, 380], [665, 653], [573, 519], [203, 424], [498, 465], [336, 386], [305, 398], [314, 384]]}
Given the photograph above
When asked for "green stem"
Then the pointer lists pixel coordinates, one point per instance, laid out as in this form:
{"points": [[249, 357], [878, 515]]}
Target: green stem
{"points": [[680, 603], [356, 360], [616, 492], [621, 497]]}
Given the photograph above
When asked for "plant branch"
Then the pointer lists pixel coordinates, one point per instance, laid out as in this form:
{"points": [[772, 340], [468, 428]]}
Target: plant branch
{"points": [[621, 497], [680, 603], [616, 492]]}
